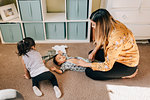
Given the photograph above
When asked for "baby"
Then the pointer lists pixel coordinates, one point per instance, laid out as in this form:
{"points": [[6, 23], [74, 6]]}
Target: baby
{"points": [[67, 63]]}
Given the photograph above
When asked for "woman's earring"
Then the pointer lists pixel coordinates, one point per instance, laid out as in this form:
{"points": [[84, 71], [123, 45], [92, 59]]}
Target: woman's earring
{"points": [[93, 25]]}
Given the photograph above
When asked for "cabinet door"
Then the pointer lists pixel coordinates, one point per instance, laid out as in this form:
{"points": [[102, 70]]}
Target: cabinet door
{"points": [[34, 30], [11, 32], [30, 10], [77, 9], [138, 30], [123, 4], [145, 4], [76, 30], [131, 16], [55, 30]]}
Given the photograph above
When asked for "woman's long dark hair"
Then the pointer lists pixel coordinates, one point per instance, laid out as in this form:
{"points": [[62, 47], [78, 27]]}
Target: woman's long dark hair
{"points": [[104, 22], [25, 46]]}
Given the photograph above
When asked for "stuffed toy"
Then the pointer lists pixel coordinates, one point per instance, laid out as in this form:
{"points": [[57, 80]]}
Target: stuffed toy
{"points": [[50, 54], [61, 48]]}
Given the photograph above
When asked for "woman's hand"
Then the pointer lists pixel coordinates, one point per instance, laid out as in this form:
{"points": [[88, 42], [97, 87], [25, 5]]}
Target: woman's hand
{"points": [[93, 53], [91, 56]]}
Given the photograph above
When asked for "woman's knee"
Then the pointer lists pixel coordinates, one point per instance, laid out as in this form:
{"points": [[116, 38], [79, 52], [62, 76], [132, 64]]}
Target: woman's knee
{"points": [[95, 75], [90, 73]]}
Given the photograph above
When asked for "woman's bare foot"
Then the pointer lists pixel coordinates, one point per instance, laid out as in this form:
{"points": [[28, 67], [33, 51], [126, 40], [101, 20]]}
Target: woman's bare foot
{"points": [[131, 76]]}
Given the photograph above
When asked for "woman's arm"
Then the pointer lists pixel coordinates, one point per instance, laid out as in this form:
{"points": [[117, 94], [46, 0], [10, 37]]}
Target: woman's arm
{"points": [[56, 70], [80, 62], [26, 75], [84, 64], [113, 49]]}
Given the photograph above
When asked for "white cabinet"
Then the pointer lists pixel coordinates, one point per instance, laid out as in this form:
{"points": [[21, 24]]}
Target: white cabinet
{"points": [[135, 14], [71, 25]]}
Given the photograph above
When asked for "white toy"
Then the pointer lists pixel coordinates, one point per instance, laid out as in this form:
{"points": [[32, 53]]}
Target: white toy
{"points": [[61, 48]]}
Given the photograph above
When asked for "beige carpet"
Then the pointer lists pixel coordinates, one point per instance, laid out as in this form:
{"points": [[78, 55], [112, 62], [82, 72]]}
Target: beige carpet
{"points": [[75, 85]]}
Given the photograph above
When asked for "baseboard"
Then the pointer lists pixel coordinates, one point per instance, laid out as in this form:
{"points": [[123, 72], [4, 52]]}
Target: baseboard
{"points": [[143, 41]]}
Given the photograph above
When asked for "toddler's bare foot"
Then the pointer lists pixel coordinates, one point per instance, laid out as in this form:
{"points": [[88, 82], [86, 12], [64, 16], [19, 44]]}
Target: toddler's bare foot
{"points": [[131, 76], [26, 76]]}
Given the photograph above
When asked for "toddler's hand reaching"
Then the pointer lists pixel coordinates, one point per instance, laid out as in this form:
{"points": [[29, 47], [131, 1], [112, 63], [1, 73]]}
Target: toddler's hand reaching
{"points": [[53, 68]]}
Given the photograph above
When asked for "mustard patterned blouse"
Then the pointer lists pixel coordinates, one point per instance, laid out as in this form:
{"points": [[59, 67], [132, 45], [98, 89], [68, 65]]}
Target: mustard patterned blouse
{"points": [[121, 48]]}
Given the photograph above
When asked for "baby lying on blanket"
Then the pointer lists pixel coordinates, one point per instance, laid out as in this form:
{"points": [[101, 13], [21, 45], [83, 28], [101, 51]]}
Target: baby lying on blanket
{"points": [[67, 63]]}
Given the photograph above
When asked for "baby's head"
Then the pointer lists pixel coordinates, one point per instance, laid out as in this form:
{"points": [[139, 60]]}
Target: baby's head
{"points": [[59, 59]]}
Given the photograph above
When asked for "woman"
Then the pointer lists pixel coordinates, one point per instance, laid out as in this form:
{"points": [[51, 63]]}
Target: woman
{"points": [[116, 49]]}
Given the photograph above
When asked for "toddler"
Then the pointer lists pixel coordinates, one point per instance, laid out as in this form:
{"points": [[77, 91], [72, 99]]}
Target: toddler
{"points": [[33, 64], [67, 63]]}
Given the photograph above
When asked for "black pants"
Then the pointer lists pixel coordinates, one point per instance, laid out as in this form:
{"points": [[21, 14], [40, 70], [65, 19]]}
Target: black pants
{"points": [[118, 71], [44, 76]]}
